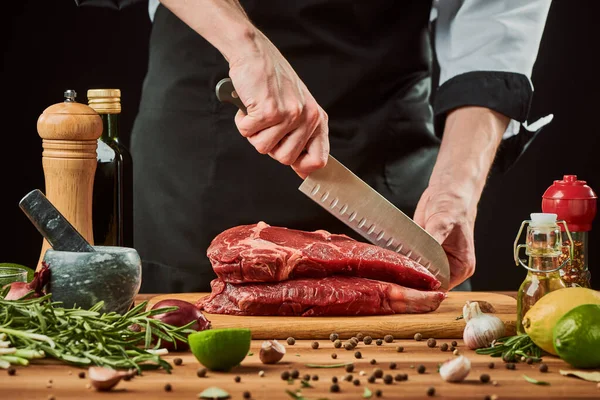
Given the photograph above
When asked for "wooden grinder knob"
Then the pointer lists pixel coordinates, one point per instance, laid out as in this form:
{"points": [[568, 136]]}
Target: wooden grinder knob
{"points": [[70, 132]]}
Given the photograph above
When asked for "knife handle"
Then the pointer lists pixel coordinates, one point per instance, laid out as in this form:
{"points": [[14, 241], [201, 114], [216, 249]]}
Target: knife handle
{"points": [[226, 94]]}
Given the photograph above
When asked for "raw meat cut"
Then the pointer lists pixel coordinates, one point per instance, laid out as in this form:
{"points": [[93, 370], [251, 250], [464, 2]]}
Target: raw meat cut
{"points": [[264, 253], [334, 295]]}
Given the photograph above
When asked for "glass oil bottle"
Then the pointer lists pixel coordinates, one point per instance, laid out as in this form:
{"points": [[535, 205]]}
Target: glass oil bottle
{"points": [[544, 248]]}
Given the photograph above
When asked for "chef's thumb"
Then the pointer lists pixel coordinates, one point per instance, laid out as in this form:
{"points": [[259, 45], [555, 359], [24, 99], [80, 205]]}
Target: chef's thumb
{"points": [[439, 226]]}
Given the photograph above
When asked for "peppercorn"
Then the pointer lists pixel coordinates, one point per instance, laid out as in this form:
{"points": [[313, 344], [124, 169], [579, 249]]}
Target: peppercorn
{"points": [[367, 340], [371, 379], [399, 349], [491, 365], [177, 361], [388, 338], [315, 377], [378, 393], [454, 343], [237, 379], [315, 345], [294, 374], [510, 365], [379, 342], [418, 337], [360, 336], [306, 377], [285, 375], [334, 379], [11, 371], [388, 379], [392, 365], [543, 368], [487, 397], [398, 378], [431, 342], [373, 361], [452, 348], [333, 355], [349, 367], [291, 341], [431, 391], [529, 360], [81, 375], [334, 388], [485, 378], [168, 387], [358, 354], [421, 369], [337, 344], [348, 377], [333, 337], [378, 372], [354, 339], [247, 395], [444, 347], [201, 372], [356, 382], [348, 346]]}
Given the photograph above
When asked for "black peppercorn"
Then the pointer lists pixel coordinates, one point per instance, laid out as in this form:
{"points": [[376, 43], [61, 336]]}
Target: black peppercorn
{"points": [[11, 371], [177, 361], [295, 374], [421, 369], [418, 337], [333, 355], [315, 345], [529, 360], [543, 368], [388, 379], [431, 342], [358, 354], [237, 379], [335, 388], [82, 375], [285, 375], [367, 340], [315, 377], [373, 361], [379, 342], [348, 346], [348, 378], [399, 349], [337, 344], [485, 378], [510, 365], [444, 347], [291, 341], [349, 367], [356, 382], [360, 336], [378, 373], [454, 343], [452, 348], [306, 378], [168, 387], [431, 391], [334, 379], [371, 379], [388, 338], [333, 337], [378, 393], [398, 378], [491, 365], [247, 395], [393, 365]]}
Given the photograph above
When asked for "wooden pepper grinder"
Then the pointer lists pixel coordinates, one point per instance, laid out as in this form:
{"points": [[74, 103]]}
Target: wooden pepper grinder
{"points": [[70, 132]]}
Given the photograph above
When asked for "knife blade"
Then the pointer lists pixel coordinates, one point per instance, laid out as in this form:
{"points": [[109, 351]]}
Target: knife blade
{"points": [[351, 200]]}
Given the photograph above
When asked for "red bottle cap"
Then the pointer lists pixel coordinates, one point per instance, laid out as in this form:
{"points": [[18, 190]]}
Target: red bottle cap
{"points": [[573, 201]]}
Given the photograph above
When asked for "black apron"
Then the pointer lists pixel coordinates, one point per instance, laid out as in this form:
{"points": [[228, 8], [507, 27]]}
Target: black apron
{"points": [[367, 63]]}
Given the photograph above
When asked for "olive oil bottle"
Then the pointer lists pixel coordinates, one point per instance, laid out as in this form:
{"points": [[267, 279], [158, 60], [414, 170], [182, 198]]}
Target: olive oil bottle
{"points": [[112, 204]]}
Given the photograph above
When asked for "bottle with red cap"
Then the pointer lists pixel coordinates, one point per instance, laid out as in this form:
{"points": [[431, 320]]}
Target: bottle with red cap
{"points": [[573, 201]]}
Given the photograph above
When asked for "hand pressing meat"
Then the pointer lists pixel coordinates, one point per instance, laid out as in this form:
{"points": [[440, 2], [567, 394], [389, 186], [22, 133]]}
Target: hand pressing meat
{"points": [[331, 296], [264, 253]]}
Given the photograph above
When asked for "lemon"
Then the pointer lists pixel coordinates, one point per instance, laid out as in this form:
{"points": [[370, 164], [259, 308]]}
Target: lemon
{"points": [[540, 320], [30, 272], [576, 336], [220, 349]]}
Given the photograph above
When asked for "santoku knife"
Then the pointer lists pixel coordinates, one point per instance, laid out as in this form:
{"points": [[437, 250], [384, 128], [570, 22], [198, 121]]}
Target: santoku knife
{"points": [[348, 198]]}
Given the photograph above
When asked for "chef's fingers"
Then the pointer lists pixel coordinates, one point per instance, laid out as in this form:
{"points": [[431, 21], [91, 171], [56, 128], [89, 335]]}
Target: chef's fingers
{"points": [[439, 226], [317, 151], [291, 146], [268, 114], [268, 139]]}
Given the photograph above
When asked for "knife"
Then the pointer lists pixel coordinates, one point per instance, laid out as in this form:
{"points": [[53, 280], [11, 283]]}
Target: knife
{"points": [[351, 200]]}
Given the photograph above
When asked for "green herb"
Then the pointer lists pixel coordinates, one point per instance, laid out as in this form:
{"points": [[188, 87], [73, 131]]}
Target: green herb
{"points": [[305, 384], [513, 347], [39, 327], [535, 381], [295, 395], [250, 354], [367, 394], [213, 392], [327, 365]]}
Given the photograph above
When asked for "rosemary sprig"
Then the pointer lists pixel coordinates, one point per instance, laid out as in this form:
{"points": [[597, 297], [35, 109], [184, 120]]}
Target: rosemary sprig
{"points": [[88, 337], [511, 348]]}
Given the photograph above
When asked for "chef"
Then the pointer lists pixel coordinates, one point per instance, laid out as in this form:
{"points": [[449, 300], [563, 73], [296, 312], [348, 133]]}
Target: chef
{"points": [[354, 78]]}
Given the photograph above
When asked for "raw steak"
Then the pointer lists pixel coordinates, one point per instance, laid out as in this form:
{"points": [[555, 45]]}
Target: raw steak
{"points": [[334, 295], [264, 253]]}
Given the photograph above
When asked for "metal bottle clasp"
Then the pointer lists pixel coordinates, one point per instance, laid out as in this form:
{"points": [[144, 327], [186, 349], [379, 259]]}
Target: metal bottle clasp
{"points": [[517, 248]]}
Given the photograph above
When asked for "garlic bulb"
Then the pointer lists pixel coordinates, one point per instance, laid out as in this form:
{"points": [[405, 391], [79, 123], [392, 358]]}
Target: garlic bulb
{"points": [[481, 329], [456, 369]]}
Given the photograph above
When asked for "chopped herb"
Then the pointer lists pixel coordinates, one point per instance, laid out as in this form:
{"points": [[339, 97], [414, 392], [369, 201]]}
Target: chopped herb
{"points": [[367, 394], [535, 381], [305, 384], [250, 354]]}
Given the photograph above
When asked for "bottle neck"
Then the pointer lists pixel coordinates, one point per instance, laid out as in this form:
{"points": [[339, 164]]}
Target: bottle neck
{"points": [[110, 123]]}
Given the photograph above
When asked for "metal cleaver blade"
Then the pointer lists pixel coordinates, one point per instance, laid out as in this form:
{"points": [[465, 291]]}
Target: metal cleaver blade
{"points": [[352, 201]]}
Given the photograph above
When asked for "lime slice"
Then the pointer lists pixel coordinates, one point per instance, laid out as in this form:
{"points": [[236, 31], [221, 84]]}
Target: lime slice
{"points": [[220, 349], [30, 272]]}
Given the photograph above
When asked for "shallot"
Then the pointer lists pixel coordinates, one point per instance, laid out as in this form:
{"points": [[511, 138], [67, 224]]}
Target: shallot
{"points": [[35, 288], [185, 313]]}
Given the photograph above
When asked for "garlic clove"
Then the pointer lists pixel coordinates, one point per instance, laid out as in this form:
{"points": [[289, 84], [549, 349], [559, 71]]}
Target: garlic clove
{"points": [[271, 352], [456, 369], [105, 379], [481, 329]]}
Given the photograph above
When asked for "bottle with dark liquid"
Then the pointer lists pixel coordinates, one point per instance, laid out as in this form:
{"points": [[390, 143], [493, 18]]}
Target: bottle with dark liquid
{"points": [[112, 204]]}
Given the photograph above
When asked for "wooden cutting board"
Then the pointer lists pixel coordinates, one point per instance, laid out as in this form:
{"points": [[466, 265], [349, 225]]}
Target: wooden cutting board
{"points": [[439, 323]]}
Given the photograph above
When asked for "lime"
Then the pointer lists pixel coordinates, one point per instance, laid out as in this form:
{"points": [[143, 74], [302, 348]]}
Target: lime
{"points": [[540, 320], [577, 336], [220, 349], [30, 271]]}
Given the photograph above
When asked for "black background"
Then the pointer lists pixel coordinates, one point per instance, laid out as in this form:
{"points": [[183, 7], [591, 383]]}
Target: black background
{"points": [[51, 46]]}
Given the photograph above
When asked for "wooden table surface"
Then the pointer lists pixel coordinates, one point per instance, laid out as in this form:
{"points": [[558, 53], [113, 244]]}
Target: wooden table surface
{"points": [[33, 382]]}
